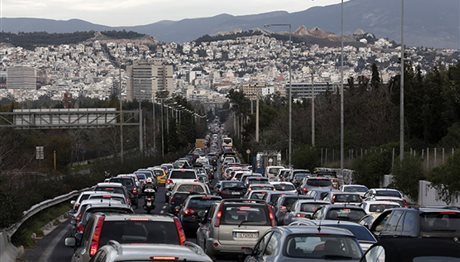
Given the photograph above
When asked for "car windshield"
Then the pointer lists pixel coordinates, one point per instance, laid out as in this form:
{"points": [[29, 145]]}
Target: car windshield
{"points": [[319, 182], [249, 214], [447, 222], [388, 193], [130, 231], [183, 174], [346, 198], [229, 185], [190, 188], [310, 207], [358, 189], [284, 187], [202, 203], [336, 247], [379, 208], [350, 214]]}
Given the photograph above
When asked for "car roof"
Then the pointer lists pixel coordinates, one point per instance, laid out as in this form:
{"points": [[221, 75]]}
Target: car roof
{"points": [[314, 230], [110, 205]]}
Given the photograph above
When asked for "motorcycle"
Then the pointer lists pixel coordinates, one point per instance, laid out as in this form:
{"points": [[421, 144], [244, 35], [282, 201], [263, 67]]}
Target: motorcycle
{"points": [[149, 199]]}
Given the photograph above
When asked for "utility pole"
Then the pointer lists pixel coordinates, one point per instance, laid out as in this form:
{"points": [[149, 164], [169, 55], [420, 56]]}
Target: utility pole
{"points": [[401, 93], [341, 95], [312, 111], [257, 119], [162, 130], [121, 120], [141, 136]]}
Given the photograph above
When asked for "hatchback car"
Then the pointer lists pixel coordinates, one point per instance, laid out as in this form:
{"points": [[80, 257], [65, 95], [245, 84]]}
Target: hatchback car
{"points": [[338, 197], [305, 243], [313, 183], [231, 225], [194, 209], [125, 229], [115, 251], [287, 187]]}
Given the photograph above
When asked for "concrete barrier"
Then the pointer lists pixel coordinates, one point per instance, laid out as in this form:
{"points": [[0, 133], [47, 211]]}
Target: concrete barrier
{"points": [[429, 196]]}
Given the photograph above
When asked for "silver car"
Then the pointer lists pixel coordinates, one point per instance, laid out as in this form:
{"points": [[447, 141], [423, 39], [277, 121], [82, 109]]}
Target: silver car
{"points": [[232, 225], [115, 251], [305, 243]]}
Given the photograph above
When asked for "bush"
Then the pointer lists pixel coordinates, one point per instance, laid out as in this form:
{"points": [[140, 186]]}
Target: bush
{"points": [[370, 169], [406, 175], [306, 157], [446, 179]]}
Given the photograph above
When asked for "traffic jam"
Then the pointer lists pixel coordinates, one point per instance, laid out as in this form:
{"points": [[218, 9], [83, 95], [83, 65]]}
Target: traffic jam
{"points": [[211, 205]]}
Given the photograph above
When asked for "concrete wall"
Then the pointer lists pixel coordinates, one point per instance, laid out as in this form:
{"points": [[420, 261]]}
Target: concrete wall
{"points": [[428, 196], [8, 252]]}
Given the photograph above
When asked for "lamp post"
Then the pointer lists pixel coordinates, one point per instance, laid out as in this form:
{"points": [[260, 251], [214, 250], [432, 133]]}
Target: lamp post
{"points": [[312, 109], [401, 91], [121, 119], [290, 87], [341, 92]]}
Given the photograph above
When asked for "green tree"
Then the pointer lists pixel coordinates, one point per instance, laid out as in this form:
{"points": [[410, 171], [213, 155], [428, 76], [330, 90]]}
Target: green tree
{"points": [[371, 168], [406, 175], [446, 179], [306, 157]]}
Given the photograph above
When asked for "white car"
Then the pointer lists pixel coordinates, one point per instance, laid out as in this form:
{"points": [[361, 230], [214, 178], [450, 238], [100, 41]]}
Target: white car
{"points": [[377, 207], [287, 187], [354, 188], [385, 194], [272, 171]]}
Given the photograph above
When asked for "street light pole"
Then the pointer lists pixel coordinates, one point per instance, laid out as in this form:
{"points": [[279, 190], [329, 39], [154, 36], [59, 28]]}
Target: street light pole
{"points": [[162, 130], [121, 120], [312, 111], [141, 135], [401, 93], [290, 91], [341, 93]]}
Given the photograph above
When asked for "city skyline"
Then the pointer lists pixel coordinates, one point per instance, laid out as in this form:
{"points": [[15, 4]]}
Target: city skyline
{"points": [[139, 12]]}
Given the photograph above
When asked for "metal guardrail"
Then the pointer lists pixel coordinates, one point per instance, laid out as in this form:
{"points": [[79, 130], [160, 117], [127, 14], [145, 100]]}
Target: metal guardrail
{"points": [[7, 251]]}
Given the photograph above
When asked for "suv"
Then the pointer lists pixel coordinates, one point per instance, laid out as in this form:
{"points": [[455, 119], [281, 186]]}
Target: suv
{"points": [[125, 229], [234, 224], [130, 185], [313, 183], [422, 222]]}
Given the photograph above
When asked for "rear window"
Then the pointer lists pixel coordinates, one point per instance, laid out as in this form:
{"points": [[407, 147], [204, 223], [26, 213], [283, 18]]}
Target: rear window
{"points": [[310, 207], [248, 214], [346, 198], [300, 176], [182, 175], [358, 189], [191, 188], [360, 232], [259, 195], [233, 185], [319, 182], [141, 176], [388, 193], [106, 211], [152, 232], [158, 172], [262, 187], [381, 207], [202, 203], [322, 247], [447, 222], [284, 187], [258, 180], [289, 202], [274, 198], [126, 182], [350, 214], [115, 198]]}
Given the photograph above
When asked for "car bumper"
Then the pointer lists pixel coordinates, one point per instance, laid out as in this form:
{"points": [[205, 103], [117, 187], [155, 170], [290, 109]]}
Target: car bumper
{"points": [[216, 247]]}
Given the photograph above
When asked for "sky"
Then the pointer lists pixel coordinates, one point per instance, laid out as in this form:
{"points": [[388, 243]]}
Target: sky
{"points": [[139, 12]]}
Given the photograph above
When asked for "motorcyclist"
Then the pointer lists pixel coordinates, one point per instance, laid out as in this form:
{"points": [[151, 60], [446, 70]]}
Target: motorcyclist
{"points": [[148, 184]]}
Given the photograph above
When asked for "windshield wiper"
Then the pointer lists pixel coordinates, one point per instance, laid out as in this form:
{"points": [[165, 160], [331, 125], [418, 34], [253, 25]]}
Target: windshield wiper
{"points": [[242, 222]]}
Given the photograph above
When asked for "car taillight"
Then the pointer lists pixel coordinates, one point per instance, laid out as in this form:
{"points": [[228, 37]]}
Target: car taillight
{"points": [[188, 212], [405, 204], [96, 237], [78, 218], [305, 190], [134, 190], [163, 258], [298, 215], [218, 216], [169, 181], [180, 231], [271, 216], [80, 228]]}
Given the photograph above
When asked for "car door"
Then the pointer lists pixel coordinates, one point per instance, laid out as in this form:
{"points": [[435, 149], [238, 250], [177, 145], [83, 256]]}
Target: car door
{"points": [[203, 231]]}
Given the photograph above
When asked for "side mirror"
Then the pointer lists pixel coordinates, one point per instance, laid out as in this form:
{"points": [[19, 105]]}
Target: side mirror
{"points": [[70, 242]]}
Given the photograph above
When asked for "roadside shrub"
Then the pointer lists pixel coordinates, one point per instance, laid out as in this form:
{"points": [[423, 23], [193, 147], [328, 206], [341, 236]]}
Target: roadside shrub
{"points": [[406, 175]]}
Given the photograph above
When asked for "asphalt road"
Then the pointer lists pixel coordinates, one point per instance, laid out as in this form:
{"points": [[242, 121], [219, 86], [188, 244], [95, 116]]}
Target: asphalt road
{"points": [[52, 249]]}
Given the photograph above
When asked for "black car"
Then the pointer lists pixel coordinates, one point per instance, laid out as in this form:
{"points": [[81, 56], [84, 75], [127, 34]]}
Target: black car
{"points": [[177, 200], [130, 185], [193, 209], [413, 250], [230, 189], [417, 222]]}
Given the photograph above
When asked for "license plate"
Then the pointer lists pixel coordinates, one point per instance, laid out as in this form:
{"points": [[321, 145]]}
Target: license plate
{"points": [[235, 193], [245, 235]]}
